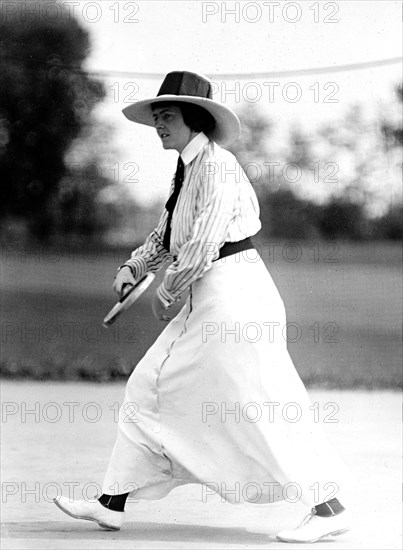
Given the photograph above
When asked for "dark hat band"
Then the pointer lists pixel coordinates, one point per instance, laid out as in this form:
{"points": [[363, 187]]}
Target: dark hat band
{"points": [[185, 83]]}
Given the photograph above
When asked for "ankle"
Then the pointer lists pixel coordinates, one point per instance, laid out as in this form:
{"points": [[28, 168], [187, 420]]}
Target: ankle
{"points": [[329, 508], [114, 502]]}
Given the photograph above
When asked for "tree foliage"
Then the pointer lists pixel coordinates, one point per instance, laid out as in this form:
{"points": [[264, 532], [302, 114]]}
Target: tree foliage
{"points": [[46, 99], [333, 204]]}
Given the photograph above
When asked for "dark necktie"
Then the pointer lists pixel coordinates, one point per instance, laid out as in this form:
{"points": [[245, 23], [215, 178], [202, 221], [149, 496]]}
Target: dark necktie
{"points": [[171, 203]]}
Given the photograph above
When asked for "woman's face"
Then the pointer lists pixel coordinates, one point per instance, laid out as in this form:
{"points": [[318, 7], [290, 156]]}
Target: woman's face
{"points": [[171, 128]]}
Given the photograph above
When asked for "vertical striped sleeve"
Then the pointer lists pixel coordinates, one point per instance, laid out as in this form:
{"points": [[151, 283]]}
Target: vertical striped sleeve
{"points": [[151, 256]]}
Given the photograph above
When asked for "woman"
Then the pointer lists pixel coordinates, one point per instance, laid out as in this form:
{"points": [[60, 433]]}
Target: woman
{"points": [[210, 402]]}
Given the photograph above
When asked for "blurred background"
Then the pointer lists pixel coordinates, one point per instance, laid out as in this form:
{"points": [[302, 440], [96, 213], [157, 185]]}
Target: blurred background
{"points": [[318, 90]]}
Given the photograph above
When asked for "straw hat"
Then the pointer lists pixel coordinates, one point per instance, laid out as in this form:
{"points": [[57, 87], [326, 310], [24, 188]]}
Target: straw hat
{"points": [[188, 87]]}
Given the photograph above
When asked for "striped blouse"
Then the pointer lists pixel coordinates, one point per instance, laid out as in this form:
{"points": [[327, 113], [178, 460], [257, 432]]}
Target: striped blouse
{"points": [[216, 204]]}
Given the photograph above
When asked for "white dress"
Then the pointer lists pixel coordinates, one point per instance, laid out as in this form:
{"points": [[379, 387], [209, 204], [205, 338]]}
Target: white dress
{"points": [[216, 399]]}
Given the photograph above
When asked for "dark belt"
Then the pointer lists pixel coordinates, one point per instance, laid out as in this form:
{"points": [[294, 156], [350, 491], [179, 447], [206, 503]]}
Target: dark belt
{"points": [[233, 248], [228, 248]]}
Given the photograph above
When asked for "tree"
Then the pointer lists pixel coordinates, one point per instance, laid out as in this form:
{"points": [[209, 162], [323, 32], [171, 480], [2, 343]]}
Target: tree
{"points": [[389, 225], [324, 184], [284, 214], [392, 132], [254, 145], [78, 208], [46, 99]]}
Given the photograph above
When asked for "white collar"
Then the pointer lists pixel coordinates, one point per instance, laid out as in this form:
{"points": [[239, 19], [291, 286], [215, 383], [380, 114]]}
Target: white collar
{"points": [[194, 147]]}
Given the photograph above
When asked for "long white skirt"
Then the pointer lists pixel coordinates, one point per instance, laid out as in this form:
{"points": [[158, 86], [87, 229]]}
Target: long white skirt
{"points": [[217, 401]]}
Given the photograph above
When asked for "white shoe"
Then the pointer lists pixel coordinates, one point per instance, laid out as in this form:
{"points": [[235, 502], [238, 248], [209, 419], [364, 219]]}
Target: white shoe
{"points": [[91, 510], [314, 528]]}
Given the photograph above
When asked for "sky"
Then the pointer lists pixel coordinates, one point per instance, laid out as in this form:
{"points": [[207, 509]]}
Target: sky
{"points": [[217, 38]]}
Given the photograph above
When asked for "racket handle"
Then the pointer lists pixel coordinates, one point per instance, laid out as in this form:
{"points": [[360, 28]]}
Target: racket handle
{"points": [[124, 289]]}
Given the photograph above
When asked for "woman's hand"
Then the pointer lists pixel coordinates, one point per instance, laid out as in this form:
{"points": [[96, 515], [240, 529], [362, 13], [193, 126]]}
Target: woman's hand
{"points": [[158, 309], [123, 277]]}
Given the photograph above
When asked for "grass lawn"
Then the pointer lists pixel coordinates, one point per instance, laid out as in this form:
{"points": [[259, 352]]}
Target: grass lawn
{"points": [[343, 304]]}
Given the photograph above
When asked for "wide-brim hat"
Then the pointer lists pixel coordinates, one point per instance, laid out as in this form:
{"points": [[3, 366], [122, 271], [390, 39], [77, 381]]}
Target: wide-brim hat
{"points": [[188, 87]]}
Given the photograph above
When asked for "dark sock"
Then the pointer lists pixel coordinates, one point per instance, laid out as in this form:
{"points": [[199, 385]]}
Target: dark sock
{"points": [[114, 502], [330, 508]]}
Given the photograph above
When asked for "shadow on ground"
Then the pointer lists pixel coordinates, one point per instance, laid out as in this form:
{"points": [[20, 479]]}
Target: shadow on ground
{"points": [[149, 531]]}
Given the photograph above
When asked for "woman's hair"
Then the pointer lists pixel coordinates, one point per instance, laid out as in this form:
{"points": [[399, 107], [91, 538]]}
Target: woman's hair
{"points": [[194, 116]]}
